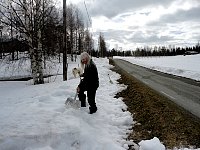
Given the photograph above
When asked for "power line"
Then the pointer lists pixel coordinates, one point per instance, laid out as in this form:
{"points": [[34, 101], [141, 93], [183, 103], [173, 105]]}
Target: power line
{"points": [[88, 14]]}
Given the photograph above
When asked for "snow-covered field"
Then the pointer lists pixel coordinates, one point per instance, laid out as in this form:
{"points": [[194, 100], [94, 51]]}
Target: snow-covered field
{"points": [[34, 117], [185, 66]]}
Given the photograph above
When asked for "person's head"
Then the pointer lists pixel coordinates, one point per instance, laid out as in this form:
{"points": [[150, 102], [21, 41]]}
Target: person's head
{"points": [[85, 58]]}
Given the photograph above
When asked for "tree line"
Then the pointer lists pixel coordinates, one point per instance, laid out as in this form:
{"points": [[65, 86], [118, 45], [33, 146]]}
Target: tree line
{"points": [[157, 51]]}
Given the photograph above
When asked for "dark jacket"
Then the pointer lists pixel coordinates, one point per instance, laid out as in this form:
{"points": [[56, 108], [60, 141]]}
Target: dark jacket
{"points": [[90, 79]]}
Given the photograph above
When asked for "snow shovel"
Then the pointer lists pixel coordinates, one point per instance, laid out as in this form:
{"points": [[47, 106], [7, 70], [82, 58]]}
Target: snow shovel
{"points": [[72, 102]]}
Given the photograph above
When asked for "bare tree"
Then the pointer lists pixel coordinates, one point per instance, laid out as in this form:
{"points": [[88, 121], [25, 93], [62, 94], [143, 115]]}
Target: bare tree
{"points": [[75, 28], [102, 46], [88, 42], [79, 33], [71, 28], [28, 17], [36, 21]]}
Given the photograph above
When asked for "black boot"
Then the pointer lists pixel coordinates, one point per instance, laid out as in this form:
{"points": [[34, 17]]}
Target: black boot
{"points": [[93, 109], [83, 103]]}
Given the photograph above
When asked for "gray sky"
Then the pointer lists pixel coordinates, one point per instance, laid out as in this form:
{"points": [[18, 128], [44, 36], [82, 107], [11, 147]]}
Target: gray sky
{"points": [[137, 23]]}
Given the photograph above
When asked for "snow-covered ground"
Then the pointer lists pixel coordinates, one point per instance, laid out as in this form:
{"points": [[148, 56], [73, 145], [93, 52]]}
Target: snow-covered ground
{"points": [[34, 117]]}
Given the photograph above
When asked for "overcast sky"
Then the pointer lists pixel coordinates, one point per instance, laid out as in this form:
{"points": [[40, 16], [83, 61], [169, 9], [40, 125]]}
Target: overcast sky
{"points": [[137, 23]]}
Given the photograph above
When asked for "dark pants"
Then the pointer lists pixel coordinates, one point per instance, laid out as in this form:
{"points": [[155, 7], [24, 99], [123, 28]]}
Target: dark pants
{"points": [[91, 98]]}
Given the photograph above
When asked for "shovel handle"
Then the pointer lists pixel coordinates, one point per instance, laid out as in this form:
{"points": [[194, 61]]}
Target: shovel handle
{"points": [[75, 96]]}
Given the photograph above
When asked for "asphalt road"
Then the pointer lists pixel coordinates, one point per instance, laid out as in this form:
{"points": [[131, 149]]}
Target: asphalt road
{"points": [[182, 91]]}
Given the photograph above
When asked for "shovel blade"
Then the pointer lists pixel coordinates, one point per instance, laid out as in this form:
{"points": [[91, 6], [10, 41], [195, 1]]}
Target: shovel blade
{"points": [[70, 102]]}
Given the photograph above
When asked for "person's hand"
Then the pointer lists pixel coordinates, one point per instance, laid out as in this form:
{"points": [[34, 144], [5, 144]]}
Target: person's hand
{"points": [[82, 75], [78, 89]]}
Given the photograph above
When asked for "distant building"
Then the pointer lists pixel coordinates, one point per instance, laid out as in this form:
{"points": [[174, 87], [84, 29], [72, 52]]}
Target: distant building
{"points": [[11, 45], [190, 53]]}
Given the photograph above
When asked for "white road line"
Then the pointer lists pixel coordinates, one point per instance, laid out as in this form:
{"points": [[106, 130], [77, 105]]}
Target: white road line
{"points": [[167, 95]]}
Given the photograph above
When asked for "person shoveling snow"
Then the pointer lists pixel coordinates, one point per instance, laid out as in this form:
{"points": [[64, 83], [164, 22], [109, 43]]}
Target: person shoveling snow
{"points": [[89, 83]]}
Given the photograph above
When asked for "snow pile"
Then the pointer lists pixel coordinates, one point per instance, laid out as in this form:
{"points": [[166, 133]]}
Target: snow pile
{"points": [[153, 144]]}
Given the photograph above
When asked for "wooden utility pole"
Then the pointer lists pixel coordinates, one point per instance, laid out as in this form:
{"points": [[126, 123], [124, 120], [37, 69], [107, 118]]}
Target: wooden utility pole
{"points": [[1, 41], [64, 42]]}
